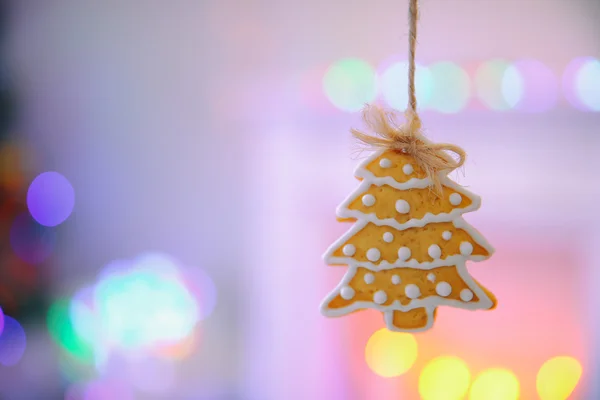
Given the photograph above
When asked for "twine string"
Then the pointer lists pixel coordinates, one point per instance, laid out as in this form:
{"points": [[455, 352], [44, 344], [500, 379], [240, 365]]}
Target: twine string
{"points": [[386, 133]]}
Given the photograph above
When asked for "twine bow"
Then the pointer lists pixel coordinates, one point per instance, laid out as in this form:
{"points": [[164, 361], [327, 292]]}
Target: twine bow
{"points": [[386, 133]]}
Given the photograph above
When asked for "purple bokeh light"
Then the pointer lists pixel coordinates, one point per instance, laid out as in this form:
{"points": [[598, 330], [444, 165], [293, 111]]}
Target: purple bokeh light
{"points": [[109, 389], [50, 198], [12, 342], [32, 242], [201, 285], [530, 86], [568, 82], [1, 321]]}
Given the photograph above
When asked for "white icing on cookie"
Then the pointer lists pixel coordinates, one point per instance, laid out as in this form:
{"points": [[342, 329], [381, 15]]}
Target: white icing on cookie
{"points": [[402, 206], [466, 248], [434, 251], [446, 235], [385, 163], [407, 169], [380, 297], [347, 293], [368, 200], [373, 254], [466, 295], [455, 199], [412, 291], [396, 279], [431, 277], [403, 253], [369, 278], [443, 289], [349, 250], [388, 237]]}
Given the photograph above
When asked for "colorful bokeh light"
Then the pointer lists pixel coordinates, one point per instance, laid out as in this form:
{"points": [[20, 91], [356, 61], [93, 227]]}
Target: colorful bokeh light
{"points": [[32, 242], [558, 378], [390, 354], [569, 78], [152, 375], [64, 334], [530, 86], [451, 87], [495, 384], [13, 342], [587, 84], [109, 389], [444, 378], [350, 83], [488, 84], [394, 83], [50, 198]]}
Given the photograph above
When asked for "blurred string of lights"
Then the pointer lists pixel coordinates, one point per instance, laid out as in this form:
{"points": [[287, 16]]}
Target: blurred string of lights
{"points": [[392, 354], [132, 325], [524, 85]]}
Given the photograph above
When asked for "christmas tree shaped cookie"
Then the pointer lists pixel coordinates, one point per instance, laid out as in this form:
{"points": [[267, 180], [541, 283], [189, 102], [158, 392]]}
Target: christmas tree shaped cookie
{"points": [[407, 250]]}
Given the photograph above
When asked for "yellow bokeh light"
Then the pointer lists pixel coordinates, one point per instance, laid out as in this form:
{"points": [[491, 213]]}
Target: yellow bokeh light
{"points": [[444, 378], [495, 384], [558, 377], [390, 354]]}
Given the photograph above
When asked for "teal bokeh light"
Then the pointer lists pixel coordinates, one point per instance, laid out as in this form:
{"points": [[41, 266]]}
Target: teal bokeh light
{"points": [[587, 84], [349, 84], [452, 87], [394, 85]]}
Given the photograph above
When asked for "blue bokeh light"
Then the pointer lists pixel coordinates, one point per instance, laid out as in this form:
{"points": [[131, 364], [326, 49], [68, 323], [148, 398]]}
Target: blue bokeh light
{"points": [[587, 84], [13, 342], [50, 198], [394, 83], [1, 320]]}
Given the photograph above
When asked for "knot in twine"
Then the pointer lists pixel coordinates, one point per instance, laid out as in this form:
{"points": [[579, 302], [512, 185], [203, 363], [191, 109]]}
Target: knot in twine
{"points": [[387, 134]]}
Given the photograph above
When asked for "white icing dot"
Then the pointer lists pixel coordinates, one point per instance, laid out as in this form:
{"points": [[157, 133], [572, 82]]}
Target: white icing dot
{"points": [[380, 297], [349, 250], [466, 248], [368, 200], [431, 277], [407, 169], [466, 295], [455, 199], [369, 278], [396, 279], [388, 237], [373, 254], [402, 206], [403, 253], [446, 235], [347, 293], [385, 163], [412, 291], [434, 251], [443, 289]]}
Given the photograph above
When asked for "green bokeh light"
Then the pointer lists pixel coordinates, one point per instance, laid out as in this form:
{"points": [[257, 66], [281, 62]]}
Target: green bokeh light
{"points": [[488, 84], [452, 87], [62, 331], [394, 85], [350, 83]]}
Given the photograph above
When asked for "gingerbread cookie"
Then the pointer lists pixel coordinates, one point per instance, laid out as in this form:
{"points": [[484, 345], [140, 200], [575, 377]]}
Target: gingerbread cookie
{"points": [[408, 247]]}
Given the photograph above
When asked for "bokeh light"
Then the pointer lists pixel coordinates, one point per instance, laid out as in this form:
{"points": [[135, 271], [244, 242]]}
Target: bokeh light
{"points": [[558, 377], [488, 84], [144, 306], [350, 83], [587, 84], [64, 334], [394, 84], [444, 378], [1, 321], [530, 86], [50, 198], [569, 78], [12, 342], [495, 384], [390, 354], [451, 87], [201, 285], [31, 242], [180, 350]]}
